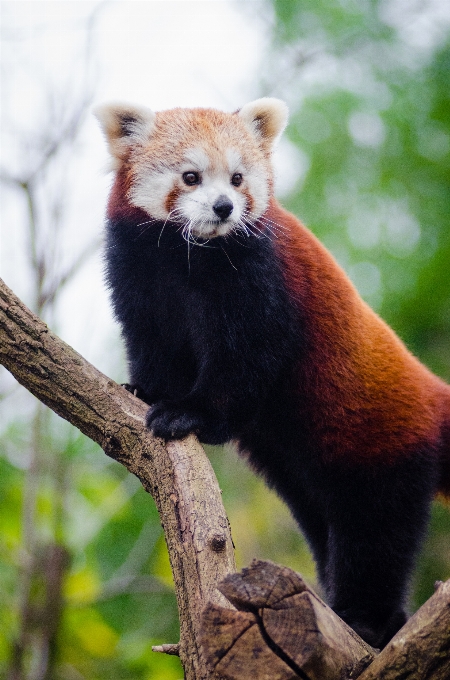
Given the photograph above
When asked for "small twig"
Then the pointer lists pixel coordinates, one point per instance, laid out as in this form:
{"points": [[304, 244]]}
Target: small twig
{"points": [[174, 650], [48, 297]]}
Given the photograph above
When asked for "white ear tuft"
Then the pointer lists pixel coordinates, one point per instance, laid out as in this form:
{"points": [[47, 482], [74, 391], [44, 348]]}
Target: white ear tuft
{"points": [[124, 125], [266, 117]]}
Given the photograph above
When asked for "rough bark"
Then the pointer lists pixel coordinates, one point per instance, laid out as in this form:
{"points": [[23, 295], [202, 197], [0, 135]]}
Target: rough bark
{"points": [[178, 476], [281, 631]]}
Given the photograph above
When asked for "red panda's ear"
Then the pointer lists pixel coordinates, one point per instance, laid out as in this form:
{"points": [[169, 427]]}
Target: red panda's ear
{"points": [[124, 126], [266, 117]]}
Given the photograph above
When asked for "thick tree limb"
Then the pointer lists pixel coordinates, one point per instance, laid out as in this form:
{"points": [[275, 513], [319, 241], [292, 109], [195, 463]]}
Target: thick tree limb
{"points": [[178, 476], [281, 630]]}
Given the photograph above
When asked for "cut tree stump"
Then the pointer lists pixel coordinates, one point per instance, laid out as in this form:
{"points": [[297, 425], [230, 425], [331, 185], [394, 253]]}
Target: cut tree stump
{"points": [[281, 631]]}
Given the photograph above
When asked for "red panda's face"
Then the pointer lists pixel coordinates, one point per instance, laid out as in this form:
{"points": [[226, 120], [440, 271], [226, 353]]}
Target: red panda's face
{"points": [[206, 170]]}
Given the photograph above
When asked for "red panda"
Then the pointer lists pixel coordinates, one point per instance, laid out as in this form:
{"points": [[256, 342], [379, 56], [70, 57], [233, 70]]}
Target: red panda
{"points": [[239, 325]]}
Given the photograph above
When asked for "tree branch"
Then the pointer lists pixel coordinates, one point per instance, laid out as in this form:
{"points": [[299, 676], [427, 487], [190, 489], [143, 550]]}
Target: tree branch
{"points": [[178, 476]]}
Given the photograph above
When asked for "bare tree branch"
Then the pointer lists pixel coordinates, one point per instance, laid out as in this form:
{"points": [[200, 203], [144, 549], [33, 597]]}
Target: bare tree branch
{"points": [[42, 163], [179, 476], [48, 296]]}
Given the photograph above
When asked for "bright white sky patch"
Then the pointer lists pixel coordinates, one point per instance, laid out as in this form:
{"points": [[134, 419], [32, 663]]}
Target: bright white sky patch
{"points": [[179, 53]]}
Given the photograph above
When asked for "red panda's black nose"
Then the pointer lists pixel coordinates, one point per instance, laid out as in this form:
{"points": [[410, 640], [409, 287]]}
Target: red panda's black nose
{"points": [[223, 207]]}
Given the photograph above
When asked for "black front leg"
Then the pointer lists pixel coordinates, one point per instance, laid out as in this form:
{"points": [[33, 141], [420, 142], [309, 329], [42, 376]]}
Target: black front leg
{"points": [[176, 421]]}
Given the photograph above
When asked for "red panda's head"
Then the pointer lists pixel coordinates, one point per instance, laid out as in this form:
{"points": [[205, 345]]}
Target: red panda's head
{"points": [[206, 170]]}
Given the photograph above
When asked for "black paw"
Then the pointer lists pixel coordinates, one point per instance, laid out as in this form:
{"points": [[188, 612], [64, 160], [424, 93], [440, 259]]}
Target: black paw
{"points": [[377, 635], [370, 635], [168, 422]]}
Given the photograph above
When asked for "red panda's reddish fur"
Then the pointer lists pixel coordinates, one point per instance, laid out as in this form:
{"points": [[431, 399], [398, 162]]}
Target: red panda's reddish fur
{"points": [[361, 380], [118, 204]]}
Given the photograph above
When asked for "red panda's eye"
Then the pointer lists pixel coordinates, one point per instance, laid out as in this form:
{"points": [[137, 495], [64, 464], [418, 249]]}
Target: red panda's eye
{"points": [[190, 178], [236, 180]]}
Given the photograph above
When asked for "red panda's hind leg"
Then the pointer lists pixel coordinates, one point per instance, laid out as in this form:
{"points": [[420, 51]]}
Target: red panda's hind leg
{"points": [[378, 517]]}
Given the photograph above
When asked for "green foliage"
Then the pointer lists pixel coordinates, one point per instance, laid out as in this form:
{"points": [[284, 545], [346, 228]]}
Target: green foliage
{"points": [[261, 524], [375, 132], [118, 593]]}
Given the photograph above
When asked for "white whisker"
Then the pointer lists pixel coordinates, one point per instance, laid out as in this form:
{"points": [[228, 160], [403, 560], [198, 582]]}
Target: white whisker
{"points": [[146, 225], [275, 225], [165, 222], [225, 252]]}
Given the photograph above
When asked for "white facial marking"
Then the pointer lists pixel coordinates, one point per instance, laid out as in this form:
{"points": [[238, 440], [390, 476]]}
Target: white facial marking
{"points": [[197, 159], [194, 205], [150, 191], [257, 183], [234, 161]]}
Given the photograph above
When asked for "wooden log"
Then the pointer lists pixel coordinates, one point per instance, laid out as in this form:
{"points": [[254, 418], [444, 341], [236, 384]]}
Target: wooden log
{"points": [[236, 649], [281, 631], [421, 649]]}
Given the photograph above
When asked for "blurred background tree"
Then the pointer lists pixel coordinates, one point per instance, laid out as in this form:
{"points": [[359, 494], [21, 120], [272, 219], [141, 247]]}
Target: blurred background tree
{"points": [[85, 582]]}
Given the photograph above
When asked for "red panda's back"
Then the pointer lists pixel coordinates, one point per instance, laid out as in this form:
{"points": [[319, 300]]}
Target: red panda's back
{"points": [[363, 394]]}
